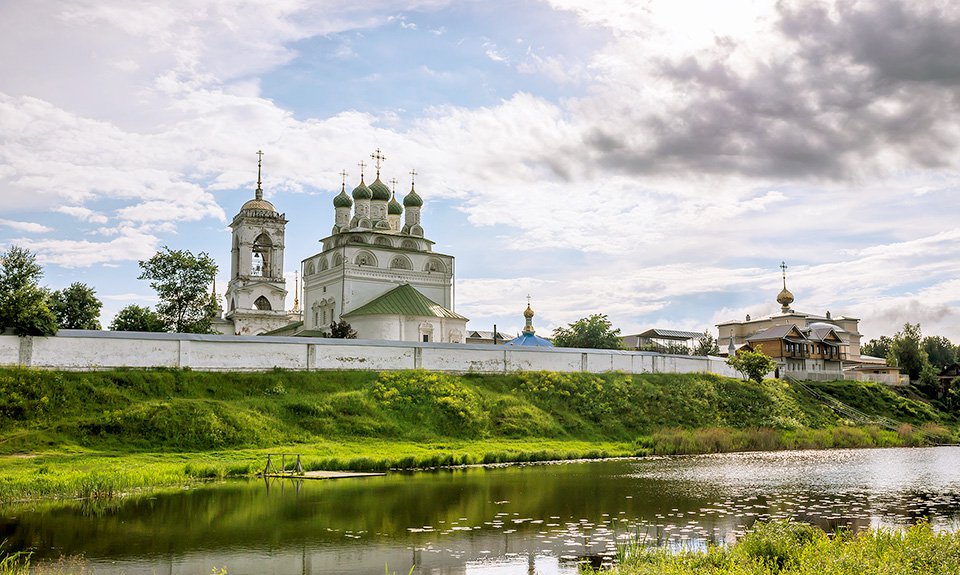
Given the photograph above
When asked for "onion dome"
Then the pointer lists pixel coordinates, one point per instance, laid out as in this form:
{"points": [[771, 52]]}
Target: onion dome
{"points": [[394, 208], [412, 200], [362, 192], [380, 190], [342, 200], [785, 298], [528, 313]]}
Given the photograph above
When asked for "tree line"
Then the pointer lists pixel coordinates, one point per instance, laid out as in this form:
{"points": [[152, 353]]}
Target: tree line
{"points": [[180, 279]]}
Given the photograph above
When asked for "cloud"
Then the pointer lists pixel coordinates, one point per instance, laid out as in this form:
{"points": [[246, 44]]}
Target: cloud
{"points": [[130, 244], [82, 214], [30, 227]]}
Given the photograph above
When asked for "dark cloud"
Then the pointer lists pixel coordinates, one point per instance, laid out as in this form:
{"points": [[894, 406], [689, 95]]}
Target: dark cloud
{"points": [[856, 85]]}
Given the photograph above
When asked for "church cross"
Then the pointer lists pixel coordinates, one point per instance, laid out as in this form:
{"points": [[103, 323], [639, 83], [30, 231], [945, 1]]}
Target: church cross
{"points": [[393, 181], [377, 157], [783, 267], [343, 179], [259, 193], [362, 166], [528, 300], [413, 176]]}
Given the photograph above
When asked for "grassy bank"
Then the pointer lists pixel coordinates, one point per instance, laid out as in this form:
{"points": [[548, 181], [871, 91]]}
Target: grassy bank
{"points": [[79, 434], [799, 549]]}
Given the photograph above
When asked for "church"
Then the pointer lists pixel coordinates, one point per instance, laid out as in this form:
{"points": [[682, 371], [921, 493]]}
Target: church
{"points": [[376, 270]]}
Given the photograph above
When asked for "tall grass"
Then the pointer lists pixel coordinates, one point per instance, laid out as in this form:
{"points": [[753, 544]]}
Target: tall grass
{"points": [[799, 549]]}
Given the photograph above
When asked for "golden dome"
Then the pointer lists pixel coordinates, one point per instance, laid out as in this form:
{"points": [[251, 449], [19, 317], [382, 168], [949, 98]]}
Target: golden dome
{"points": [[785, 298], [258, 204], [528, 313]]}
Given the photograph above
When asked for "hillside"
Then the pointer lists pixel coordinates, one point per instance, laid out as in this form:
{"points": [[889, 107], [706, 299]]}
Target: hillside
{"points": [[217, 424]]}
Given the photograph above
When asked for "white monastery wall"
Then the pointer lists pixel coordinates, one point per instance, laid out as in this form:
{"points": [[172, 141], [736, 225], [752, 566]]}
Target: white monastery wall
{"points": [[80, 349]]}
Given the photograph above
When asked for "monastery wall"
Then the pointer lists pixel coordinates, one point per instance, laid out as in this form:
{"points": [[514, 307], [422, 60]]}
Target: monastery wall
{"points": [[82, 350]]}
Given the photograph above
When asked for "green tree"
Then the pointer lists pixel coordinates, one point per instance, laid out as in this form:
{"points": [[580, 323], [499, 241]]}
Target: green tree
{"points": [[940, 351], [181, 281], [706, 345], [136, 318], [594, 332], [877, 347], [906, 351], [76, 307], [24, 305], [342, 330], [752, 364]]}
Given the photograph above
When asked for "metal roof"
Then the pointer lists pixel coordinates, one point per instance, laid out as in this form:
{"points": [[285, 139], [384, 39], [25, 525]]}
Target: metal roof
{"points": [[775, 332], [404, 300], [669, 334], [528, 339]]}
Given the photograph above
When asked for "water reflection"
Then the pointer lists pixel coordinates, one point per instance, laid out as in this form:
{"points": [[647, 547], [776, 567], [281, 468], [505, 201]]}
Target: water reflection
{"points": [[520, 519]]}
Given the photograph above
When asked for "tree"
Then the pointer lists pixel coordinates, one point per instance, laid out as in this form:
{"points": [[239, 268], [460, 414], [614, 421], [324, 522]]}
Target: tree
{"points": [[752, 364], [24, 305], [940, 351], [182, 281], [877, 347], [136, 318], [594, 332], [906, 351], [76, 307], [342, 330], [706, 345]]}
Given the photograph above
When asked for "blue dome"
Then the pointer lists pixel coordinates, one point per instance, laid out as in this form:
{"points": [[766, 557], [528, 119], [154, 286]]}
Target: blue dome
{"points": [[528, 339]]}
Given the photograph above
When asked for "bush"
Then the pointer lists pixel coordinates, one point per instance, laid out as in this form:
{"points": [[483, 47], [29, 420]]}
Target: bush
{"points": [[421, 394]]}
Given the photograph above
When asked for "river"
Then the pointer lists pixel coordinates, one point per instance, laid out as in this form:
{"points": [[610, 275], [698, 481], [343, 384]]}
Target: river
{"points": [[485, 521]]}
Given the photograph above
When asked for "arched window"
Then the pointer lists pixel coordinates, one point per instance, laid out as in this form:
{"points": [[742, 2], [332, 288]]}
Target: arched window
{"points": [[365, 259], [311, 269], [337, 260], [401, 263], [262, 303], [357, 240], [382, 241], [435, 265], [409, 245], [323, 264], [260, 260]]}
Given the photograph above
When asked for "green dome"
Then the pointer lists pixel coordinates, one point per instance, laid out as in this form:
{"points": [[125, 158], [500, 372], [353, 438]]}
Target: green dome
{"points": [[394, 208], [412, 200], [342, 200], [362, 192], [380, 190]]}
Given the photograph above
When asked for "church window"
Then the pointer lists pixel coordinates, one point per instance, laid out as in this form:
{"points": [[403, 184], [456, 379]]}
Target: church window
{"points": [[365, 259], [311, 269], [409, 245], [338, 260], [324, 316], [426, 337], [260, 261], [357, 240], [381, 241], [262, 303], [323, 264]]}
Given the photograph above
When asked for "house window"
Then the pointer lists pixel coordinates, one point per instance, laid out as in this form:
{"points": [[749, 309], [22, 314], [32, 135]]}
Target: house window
{"points": [[426, 338]]}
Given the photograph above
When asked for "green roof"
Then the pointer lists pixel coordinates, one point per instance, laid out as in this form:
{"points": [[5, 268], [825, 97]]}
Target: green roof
{"points": [[404, 300]]}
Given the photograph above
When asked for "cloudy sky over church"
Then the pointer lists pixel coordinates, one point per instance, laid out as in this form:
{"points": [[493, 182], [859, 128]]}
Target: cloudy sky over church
{"points": [[651, 160]]}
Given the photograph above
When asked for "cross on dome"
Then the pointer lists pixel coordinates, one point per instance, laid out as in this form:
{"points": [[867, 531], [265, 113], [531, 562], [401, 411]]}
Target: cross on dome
{"points": [[362, 166], [378, 157], [343, 179], [413, 177]]}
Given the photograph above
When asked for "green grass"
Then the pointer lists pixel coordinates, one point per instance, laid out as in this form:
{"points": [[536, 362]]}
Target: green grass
{"points": [[797, 549], [97, 434]]}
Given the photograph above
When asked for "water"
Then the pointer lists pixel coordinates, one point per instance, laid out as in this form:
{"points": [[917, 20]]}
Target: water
{"points": [[485, 521]]}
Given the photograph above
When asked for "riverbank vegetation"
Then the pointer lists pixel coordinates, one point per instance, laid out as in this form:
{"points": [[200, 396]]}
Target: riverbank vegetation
{"points": [[96, 434], [788, 548]]}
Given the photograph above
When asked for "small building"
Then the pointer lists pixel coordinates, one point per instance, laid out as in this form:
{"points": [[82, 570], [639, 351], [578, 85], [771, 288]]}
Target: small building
{"points": [[663, 341], [817, 350], [487, 337]]}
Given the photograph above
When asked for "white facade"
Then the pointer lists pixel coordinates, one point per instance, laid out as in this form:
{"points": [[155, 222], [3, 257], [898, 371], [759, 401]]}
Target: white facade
{"points": [[257, 292], [369, 254]]}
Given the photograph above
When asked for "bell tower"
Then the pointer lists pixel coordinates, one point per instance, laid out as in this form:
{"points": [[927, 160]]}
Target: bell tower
{"points": [[257, 291]]}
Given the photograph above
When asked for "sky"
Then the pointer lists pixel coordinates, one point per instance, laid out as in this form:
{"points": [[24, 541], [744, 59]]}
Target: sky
{"points": [[653, 160]]}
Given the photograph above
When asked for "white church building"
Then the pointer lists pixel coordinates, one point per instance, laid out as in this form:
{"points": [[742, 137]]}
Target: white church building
{"points": [[376, 270]]}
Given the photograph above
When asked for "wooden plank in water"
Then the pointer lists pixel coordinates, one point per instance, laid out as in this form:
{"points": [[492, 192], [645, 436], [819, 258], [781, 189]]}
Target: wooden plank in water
{"points": [[324, 475]]}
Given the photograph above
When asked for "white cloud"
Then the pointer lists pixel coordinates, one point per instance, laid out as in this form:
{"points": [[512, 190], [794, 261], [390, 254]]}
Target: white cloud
{"points": [[82, 214], [30, 227], [130, 244]]}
